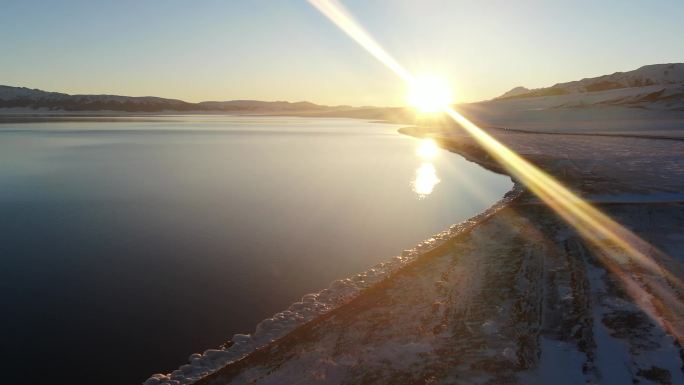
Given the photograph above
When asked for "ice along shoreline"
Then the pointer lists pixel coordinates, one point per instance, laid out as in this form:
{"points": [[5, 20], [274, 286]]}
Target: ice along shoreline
{"points": [[315, 307]]}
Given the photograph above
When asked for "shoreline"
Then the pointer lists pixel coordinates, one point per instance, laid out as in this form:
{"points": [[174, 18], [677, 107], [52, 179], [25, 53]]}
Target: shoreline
{"points": [[317, 307], [516, 204], [339, 294], [314, 304], [621, 193]]}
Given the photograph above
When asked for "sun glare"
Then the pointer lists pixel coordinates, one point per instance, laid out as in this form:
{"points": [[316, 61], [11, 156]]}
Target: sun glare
{"points": [[614, 242], [426, 180], [429, 94], [427, 149]]}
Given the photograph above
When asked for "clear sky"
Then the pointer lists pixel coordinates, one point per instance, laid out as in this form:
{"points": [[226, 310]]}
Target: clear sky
{"points": [[285, 50]]}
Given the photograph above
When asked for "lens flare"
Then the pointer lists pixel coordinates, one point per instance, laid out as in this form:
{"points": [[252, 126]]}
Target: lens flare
{"points": [[614, 243], [336, 13], [429, 94], [427, 149]]}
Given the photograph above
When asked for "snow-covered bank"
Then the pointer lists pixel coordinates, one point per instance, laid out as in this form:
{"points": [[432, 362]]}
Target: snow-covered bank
{"points": [[516, 310], [651, 170], [509, 299], [506, 300], [313, 306]]}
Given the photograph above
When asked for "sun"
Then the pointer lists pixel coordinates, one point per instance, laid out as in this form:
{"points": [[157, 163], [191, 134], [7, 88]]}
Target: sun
{"points": [[427, 149], [429, 94]]}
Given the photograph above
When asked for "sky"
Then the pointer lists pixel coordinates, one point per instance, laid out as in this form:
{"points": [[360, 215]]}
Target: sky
{"points": [[285, 50]]}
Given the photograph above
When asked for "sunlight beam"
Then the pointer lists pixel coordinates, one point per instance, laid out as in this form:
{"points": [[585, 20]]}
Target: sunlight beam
{"points": [[336, 12], [613, 241]]}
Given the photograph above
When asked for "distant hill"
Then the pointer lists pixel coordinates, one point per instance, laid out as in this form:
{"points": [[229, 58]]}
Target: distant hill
{"points": [[666, 77], [648, 101], [657, 87], [34, 99], [255, 105], [517, 91]]}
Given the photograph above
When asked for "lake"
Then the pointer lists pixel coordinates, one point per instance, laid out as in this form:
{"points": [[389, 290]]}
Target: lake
{"points": [[128, 244]]}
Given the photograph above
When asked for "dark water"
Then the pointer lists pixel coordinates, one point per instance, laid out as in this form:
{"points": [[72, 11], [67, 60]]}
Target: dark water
{"points": [[126, 246]]}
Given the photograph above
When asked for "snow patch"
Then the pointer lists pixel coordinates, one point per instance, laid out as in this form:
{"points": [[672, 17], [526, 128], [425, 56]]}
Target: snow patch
{"points": [[314, 305]]}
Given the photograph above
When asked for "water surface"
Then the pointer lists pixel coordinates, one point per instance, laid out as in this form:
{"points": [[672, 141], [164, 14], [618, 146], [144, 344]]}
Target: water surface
{"points": [[127, 245]]}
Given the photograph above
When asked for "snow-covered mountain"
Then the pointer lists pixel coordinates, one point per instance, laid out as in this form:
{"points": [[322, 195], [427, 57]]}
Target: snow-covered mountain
{"points": [[34, 99], [656, 83], [648, 101], [657, 86]]}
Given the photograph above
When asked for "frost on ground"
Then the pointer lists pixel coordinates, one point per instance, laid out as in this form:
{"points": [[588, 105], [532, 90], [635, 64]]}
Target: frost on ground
{"points": [[519, 298], [312, 307], [514, 296], [534, 307]]}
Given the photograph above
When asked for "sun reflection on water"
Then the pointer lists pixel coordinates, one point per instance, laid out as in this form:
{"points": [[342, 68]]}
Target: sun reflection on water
{"points": [[426, 175], [426, 180]]}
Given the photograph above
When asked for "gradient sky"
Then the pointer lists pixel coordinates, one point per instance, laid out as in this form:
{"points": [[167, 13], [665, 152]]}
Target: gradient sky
{"points": [[285, 50]]}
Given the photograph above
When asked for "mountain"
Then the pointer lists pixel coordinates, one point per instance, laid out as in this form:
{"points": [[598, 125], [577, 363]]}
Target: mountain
{"points": [[648, 101], [255, 105], [34, 99], [517, 91], [21, 97], [663, 76]]}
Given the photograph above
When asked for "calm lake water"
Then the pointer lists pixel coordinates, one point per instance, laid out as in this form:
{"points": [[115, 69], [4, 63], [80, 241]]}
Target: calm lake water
{"points": [[128, 245]]}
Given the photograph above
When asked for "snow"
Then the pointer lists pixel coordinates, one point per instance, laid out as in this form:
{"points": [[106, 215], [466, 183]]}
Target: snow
{"points": [[662, 197], [617, 360], [560, 364], [535, 306], [613, 112], [9, 93], [647, 102], [649, 75], [312, 306], [513, 295]]}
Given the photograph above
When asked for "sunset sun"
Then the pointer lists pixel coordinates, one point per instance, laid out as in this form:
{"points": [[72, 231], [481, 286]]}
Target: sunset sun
{"points": [[429, 94], [341, 192]]}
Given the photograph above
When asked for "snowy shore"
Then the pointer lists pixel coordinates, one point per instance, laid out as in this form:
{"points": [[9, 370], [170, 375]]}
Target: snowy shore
{"points": [[314, 307], [462, 306], [534, 307], [513, 295]]}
